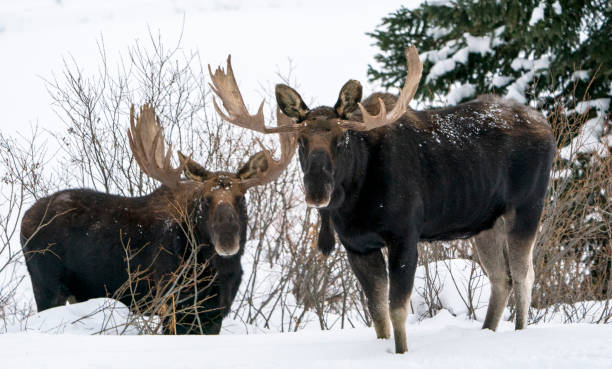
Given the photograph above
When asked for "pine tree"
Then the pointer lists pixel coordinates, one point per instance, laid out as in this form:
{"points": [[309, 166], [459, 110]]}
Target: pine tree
{"points": [[555, 55], [522, 49]]}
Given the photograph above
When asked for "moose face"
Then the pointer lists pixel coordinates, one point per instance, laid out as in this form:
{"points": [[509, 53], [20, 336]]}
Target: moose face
{"points": [[319, 131], [218, 197], [221, 211], [321, 138], [226, 214]]}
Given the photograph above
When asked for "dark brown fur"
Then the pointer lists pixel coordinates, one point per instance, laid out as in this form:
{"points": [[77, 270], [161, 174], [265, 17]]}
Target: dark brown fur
{"points": [[76, 244], [432, 175]]}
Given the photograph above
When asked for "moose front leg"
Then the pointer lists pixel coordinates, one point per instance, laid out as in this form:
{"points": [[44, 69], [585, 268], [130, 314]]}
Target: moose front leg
{"points": [[371, 271], [402, 267]]}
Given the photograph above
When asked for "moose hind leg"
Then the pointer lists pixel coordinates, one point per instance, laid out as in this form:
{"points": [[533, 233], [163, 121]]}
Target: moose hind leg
{"points": [[521, 239], [371, 271], [491, 249]]}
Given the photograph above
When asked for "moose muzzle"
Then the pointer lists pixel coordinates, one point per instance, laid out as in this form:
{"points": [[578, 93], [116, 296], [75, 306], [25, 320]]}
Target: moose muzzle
{"points": [[318, 179], [225, 230]]}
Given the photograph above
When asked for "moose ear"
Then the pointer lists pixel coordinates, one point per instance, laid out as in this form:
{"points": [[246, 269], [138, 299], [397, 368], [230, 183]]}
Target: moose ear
{"points": [[193, 170], [290, 102], [350, 95], [257, 164]]}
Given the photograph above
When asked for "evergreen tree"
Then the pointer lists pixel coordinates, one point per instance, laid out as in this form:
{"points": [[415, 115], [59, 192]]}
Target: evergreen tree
{"points": [[522, 49], [553, 54]]}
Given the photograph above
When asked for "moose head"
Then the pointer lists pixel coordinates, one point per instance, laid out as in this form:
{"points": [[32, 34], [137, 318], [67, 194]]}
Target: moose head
{"points": [[320, 132], [216, 198]]}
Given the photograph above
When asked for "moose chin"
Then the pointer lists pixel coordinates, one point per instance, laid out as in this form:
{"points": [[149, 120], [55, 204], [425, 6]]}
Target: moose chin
{"points": [[385, 176], [190, 232]]}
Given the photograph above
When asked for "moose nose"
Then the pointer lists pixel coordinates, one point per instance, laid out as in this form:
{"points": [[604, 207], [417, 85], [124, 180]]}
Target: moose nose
{"points": [[225, 230], [318, 180]]}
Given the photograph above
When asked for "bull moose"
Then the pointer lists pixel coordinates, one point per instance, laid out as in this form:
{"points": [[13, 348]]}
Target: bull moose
{"points": [[384, 175], [77, 242]]}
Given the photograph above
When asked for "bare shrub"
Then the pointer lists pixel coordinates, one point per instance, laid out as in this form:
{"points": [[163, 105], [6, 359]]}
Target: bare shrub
{"points": [[573, 254], [20, 181]]}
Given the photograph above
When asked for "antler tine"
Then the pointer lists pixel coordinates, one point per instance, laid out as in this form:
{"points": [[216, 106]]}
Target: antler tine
{"points": [[225, 87], [146, 140], [415, 69], [288, 146]]}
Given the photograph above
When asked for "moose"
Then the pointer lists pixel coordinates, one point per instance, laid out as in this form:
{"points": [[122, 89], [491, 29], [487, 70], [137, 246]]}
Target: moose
{"points": [[384, 175], [81, 244]]}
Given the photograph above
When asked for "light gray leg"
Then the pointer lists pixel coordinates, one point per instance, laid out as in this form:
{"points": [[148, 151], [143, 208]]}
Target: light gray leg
{"points": [[491, 245], [402, 267], [521, 268], [521, 239]]}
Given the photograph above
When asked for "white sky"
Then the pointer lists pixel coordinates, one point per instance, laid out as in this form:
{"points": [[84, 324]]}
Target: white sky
{"points": [[325, 40]]}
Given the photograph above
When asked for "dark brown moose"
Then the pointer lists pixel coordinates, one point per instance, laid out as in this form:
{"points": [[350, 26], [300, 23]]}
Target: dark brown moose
{"points": [[383, 175], [76, 241]]}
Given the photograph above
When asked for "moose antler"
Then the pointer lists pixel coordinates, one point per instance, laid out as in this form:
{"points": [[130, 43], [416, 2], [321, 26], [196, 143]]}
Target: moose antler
{"points": [[147, 143], [415, 69], [288, 147], [225, 87]]}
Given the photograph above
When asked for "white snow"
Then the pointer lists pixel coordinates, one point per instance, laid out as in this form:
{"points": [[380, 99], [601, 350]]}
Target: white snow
{"points": [[590, 138], [516, 90], [91, 317], [501, 81], [101, 316], [557, 7], [437, 32], [455, 280], [441, 342], [448, 3], [561, 174], [77, 336], [587, 141], [444, 63], [582, 75], [601, 105], [457, 93], [538, 13]]}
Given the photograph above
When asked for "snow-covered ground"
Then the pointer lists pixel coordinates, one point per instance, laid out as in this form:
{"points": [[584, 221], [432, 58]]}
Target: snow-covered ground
{"points": [[440, 342], [84, 336]]}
